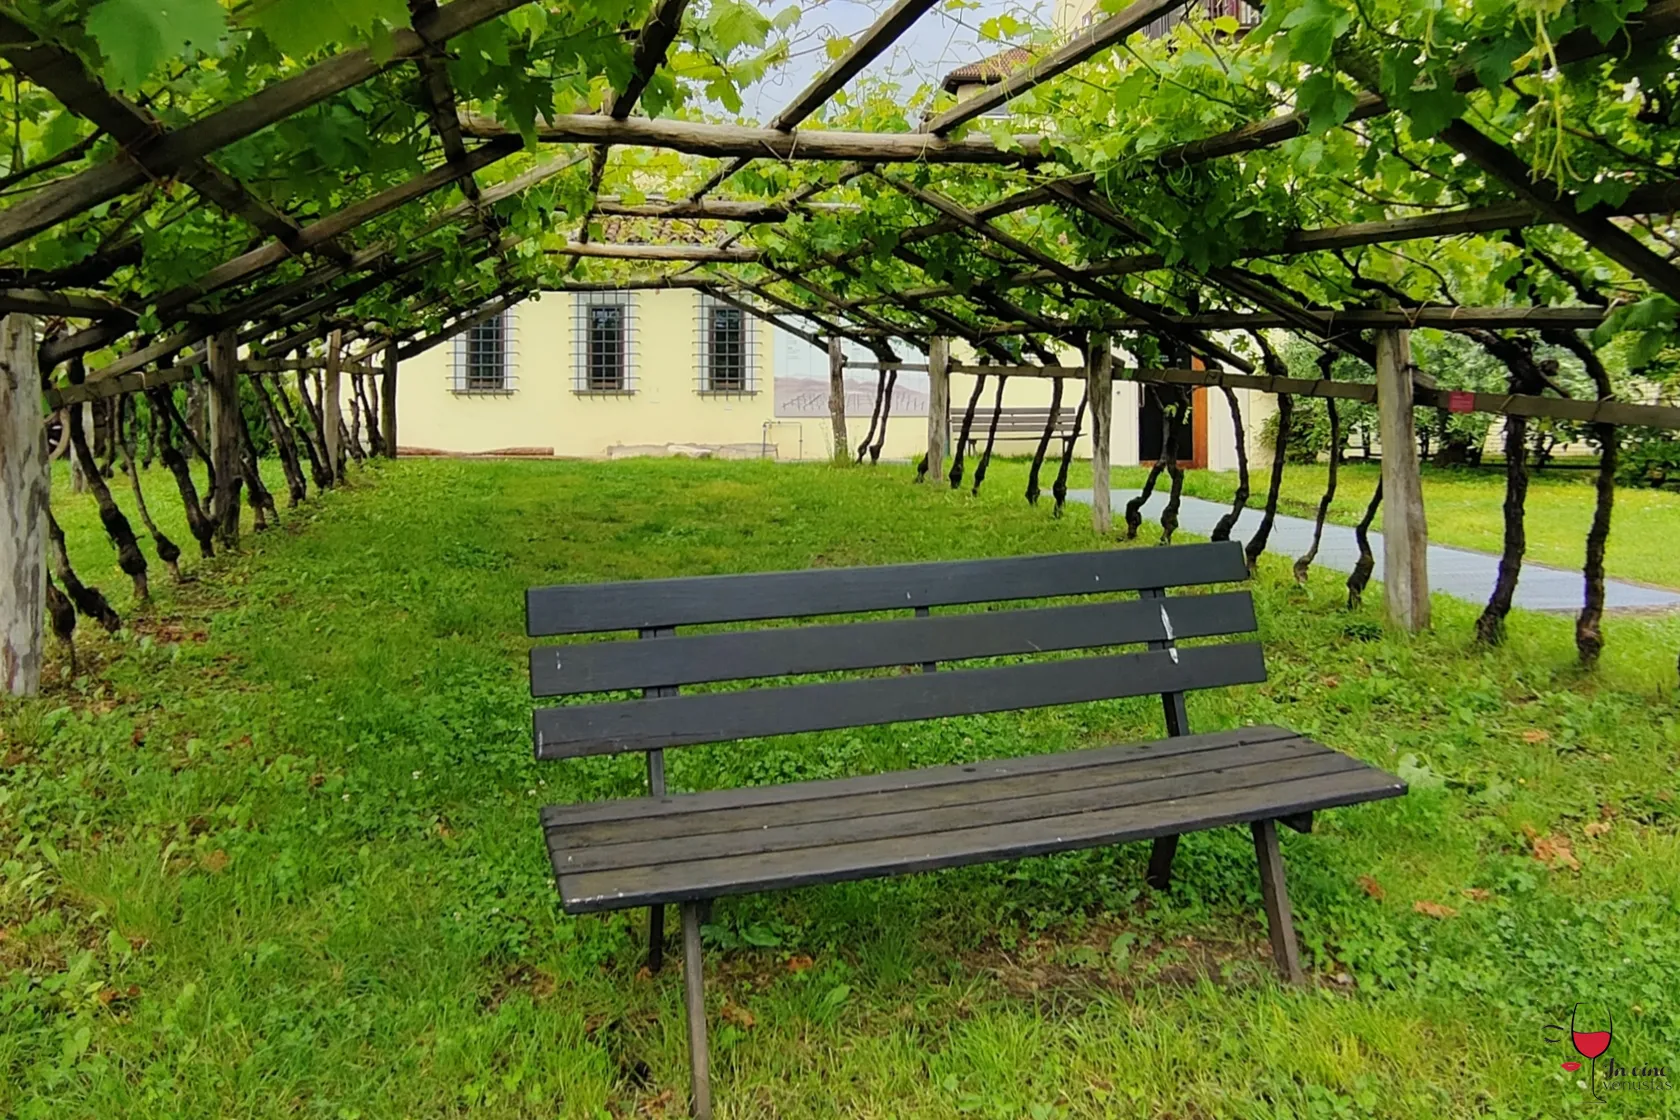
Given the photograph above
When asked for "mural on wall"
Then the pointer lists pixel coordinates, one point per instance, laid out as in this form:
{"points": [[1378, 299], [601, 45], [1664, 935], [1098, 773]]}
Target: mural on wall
{"points": [[807, 397]]}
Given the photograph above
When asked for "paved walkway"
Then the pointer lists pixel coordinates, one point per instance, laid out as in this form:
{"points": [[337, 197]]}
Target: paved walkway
{"points": [[1452, 571]]}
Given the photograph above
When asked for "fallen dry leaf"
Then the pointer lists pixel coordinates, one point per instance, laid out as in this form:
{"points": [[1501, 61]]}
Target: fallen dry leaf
{"points": [[740, 1016], [1535, 735], [1372, 887], [1477, 894], [1553, 851], [799, 963], [1434, 909], [216, 862], [644, 973], [1596, 828]]}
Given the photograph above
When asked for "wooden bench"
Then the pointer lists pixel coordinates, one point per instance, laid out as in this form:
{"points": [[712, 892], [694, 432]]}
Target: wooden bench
{"points": [[689, 848], [1013, 423]]}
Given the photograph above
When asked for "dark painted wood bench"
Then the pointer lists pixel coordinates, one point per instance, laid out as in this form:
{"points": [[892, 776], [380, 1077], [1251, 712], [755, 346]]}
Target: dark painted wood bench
{"points": [[1012, 423], [689, 848]]}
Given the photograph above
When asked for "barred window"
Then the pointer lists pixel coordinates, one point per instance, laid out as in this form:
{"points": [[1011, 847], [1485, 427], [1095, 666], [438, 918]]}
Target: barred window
{"points": [[726, 359], [604, 339], [484, 356]]}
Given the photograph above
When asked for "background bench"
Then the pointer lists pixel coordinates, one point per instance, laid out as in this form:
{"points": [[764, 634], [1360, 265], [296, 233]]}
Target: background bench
{"points": [[691, 848], [1013, 423]]}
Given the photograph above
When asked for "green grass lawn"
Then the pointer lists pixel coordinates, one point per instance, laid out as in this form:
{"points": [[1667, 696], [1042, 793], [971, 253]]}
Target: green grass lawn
{"points": [[276, 852], [1464, 509]]}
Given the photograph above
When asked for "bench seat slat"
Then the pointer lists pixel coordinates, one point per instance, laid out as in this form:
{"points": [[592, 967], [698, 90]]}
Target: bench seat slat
{"points": [[791, 651], [702, 600], [576, 730], [1056, 794], [650, 813], [1216, 803]]}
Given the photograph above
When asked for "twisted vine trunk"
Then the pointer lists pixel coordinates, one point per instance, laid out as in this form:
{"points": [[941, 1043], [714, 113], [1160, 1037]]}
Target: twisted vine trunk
{"points": [[198, 521], [886, 414], [1059, 489], [991, 436], [874, 416], [369, 388], [168, 551], [1360, 577], [967, 426], [1222, 530], [1304, 564], [62, 613], [317, 463], [1490, 627], [256, 492], [1044, 440], [1589, 635], [297, 489], [90, 601], [1169, 447], [129, 557], [1280, 449]]}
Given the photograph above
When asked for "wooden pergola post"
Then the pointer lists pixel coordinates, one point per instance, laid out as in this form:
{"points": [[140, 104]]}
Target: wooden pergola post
{"points": [[939, 405], [25, 488], [332, 420], [224, 436], [1099, 383], [837, 399], [1405, 529], [388, 399]]}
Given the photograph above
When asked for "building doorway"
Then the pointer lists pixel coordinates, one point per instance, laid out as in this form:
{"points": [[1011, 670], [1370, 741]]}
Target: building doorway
{"points": [[1152, 426]]}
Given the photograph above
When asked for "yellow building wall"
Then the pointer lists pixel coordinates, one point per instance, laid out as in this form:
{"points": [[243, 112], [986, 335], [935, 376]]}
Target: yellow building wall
{"points": [[543, 411]]}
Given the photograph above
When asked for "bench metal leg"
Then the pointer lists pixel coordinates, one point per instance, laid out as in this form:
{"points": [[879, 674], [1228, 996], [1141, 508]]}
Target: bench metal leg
{"points": [[1161, 853], [694, 995], [1280, 925], [656, 938]]}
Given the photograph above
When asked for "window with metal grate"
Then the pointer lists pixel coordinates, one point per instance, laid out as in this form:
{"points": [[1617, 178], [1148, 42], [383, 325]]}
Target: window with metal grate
{"points": [[484, 357], [604, 342], [726, 348]]}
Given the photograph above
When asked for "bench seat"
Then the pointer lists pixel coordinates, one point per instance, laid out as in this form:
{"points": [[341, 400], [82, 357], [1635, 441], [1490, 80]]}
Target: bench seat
{"points": [[643, 851]]}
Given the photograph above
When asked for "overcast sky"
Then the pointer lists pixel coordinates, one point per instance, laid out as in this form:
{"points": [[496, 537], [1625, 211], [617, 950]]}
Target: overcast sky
{"points": [[938, 42]]}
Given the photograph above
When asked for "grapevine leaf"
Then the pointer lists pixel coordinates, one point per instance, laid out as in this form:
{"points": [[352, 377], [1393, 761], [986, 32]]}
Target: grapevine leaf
{"points": [[138, 36]]}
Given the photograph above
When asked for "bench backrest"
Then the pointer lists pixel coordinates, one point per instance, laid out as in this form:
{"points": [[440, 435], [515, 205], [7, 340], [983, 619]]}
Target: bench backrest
{"points": [[660, 668]]}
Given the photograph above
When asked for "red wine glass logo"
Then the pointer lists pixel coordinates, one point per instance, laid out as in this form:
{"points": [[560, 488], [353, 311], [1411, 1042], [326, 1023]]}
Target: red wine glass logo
{"points": [[1591, 1045]]}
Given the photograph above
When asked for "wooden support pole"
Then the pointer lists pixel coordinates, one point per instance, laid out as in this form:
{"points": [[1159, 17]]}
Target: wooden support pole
{"points": [[694, 998], [1099, 384], [1405, 529], [939, 405], [837, 399], [332, 420], [25, 488], [224, 437], [388, 399]]}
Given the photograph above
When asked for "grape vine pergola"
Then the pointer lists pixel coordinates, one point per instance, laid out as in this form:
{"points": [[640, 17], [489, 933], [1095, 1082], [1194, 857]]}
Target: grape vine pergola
{"points": [[259, 200]]}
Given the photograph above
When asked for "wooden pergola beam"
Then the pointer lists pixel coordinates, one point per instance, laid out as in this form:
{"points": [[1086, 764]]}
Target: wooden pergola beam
{"points": [[69, 305], [1067, 274], [716, 210], [1498, 404], [1088, 42], [169, 153], [720, 293], [488, 311], [701, 139], [1591, 224], [880, 35], [637, 252], [1661, 19], [63, 74]]}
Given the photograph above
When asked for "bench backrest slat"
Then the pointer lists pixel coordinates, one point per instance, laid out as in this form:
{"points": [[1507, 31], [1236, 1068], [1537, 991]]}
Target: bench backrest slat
{"points": [[793, 651], [575, 730], [703, 600]]}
